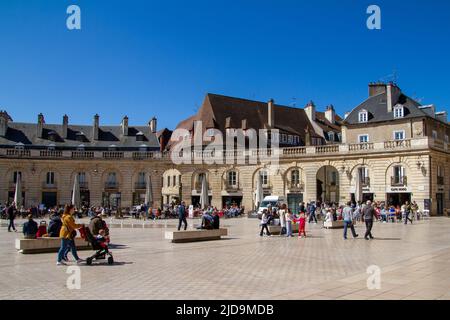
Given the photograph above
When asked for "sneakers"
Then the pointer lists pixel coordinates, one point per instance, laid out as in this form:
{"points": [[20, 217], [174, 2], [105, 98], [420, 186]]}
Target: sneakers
{"points": [[80, 261], [61, 263]]}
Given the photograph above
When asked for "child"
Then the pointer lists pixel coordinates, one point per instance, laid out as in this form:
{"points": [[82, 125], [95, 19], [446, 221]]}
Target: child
{"points": [[102, 238], [289, 218], [301, 225]]}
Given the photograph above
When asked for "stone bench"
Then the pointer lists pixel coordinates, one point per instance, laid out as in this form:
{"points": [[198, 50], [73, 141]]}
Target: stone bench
{"points": [[195, 235], [46, 245], [277, 229], [334, 224]]}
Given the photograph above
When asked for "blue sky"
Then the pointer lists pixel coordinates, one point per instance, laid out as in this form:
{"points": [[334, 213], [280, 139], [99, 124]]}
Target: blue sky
{"points": [[146, 58]]}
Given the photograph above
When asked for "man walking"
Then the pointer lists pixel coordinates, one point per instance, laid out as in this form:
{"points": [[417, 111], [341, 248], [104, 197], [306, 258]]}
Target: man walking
{"points": [[407, 212], [312, 213], [369, 214], [182, 216], [347, 215], [11, 213]]}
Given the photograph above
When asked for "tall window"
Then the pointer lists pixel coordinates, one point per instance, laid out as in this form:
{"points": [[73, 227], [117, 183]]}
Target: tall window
{"points": [[331, 136], [50, 178], [295, 177], [82, 177], [398, 112], [174, 179], [232, 178], [399, 175], [264, 177], [112, 178], [141, 178], [168, 181], [363, 175], [434, 134], [16, 175], [363, 116], [333, 178]]}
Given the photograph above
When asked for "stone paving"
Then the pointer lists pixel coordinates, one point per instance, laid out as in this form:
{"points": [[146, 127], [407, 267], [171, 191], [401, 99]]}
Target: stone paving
{"points": [[414, 262]]}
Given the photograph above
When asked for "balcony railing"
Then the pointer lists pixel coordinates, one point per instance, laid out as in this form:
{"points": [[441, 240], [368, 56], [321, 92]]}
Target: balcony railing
{"points": [[82, 154], [83, 185], [111, 185], [397, 144], [112, 155], [142, 155], [296, 185], [399, 181], [46, 185], [50, 153], [361, 146], [140, 185], [327, 149], [231, 187], [440, 181], [365, 181], [18, 153]]}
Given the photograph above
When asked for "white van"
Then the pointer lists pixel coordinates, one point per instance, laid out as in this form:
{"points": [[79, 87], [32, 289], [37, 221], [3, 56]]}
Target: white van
{"points": [[274, 201]]}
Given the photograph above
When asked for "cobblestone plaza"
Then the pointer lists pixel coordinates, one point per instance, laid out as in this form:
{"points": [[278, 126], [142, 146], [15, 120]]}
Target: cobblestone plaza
{"points": [[413, 259]]}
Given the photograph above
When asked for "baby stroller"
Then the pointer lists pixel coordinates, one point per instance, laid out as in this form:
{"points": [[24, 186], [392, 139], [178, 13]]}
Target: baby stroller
{"points": [[100, 247]]}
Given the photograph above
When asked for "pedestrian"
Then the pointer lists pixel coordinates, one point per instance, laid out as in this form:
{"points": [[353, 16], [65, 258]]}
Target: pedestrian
{"points": [[264, 223], [347, 215], [67, 234], [30, 228], [282, 216], [11, 214], [289, 217], [302, 225], [407, 212], [182, 215], [369, 214], [312, 213]]}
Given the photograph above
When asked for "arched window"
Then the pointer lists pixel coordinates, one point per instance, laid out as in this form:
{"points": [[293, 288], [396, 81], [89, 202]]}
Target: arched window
{"points": [[398, 176]]}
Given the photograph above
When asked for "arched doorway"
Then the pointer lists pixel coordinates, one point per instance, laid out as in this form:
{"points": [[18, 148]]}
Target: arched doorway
{"points": [[327, 178]]}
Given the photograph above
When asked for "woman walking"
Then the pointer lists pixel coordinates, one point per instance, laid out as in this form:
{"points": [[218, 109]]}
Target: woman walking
{"points": [[67, 234]]}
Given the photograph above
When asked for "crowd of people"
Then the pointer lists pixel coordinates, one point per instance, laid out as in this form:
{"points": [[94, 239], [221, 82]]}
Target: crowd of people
{"points": [[350, 214]]}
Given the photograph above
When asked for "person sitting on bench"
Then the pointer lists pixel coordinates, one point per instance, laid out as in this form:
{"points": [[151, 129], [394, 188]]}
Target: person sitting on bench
{"points": [[30, 228], [207, 221]]}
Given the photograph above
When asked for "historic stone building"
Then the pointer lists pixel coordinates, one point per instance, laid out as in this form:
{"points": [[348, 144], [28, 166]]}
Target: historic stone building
{"points": [[397, 148]]}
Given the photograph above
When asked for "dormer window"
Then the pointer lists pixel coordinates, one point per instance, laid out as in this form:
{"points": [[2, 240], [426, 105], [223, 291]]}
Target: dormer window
{"points": [[52, 136], [398, 112], [210, 132], [143, 148], [140, 136], [51, 147], [19, 146], [81, 147], [112, 147], [331, 136], [363, 116], [80, 136]]}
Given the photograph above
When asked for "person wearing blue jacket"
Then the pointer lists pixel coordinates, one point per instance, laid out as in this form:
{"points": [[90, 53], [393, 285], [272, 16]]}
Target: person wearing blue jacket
{"points": [[182, 216], [30, 228]]}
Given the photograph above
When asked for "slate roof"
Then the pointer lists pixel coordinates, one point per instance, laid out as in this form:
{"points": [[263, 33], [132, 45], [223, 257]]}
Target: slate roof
{"points": [[26, 133], [376, 106]]}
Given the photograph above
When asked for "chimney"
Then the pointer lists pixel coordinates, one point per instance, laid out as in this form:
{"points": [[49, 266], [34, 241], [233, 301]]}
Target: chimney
{"points": [[4, 119], [330, 115], [96, 127], [392, 94], [124, 125], [376, 88], [64, 126], [271, 113], [152, 124], [40, 125], [244, 124], [227, 122], [307, 137], [310, 110]]}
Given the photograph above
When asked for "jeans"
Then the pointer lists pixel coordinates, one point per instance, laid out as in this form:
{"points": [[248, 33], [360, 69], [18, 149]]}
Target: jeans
{"points": [[312, 216], [67, 244], [182, 220], [264, 226], [369, 225], [288, 229], [407, 218], [352, 228], [11, 225]]}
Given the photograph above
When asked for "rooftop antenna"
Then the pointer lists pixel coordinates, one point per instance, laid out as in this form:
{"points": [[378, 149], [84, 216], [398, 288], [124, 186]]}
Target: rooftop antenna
{"points": [[393, 77], [294, 102]]}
